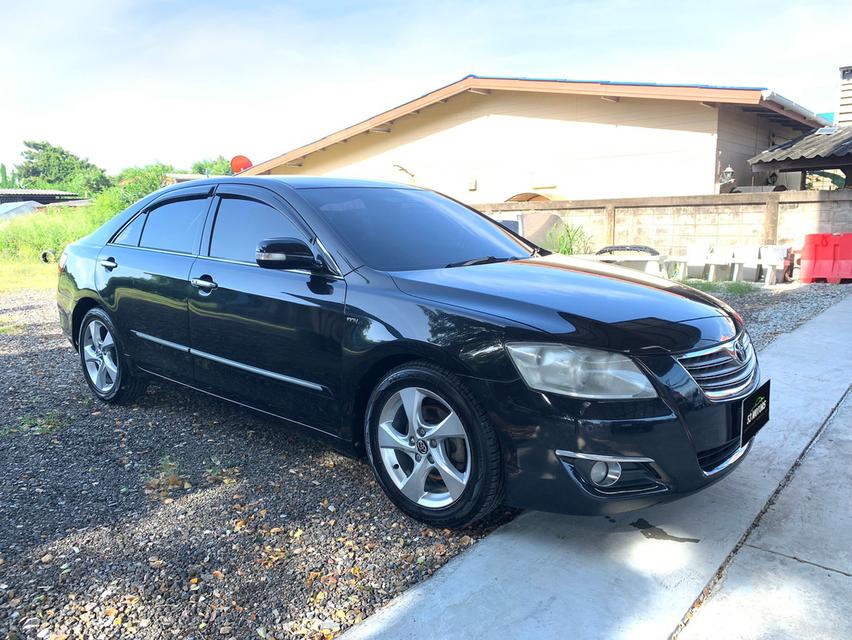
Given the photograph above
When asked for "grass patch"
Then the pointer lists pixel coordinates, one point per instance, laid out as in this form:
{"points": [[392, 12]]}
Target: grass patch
{"points": [[735, 288], [38, 425], [8, 327], [53, 228], [26, 274]]}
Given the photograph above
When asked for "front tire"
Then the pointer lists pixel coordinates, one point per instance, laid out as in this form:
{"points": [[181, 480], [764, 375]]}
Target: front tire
{"points": [[431, 447], [107, 371]]}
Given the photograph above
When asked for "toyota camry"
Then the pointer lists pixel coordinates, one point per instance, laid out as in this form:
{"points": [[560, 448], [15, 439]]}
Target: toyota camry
{"points": [[470, 367]]}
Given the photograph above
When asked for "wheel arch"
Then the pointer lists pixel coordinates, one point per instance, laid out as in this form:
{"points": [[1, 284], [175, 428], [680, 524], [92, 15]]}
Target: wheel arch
{"points": [[81, 308], [378, 366]]}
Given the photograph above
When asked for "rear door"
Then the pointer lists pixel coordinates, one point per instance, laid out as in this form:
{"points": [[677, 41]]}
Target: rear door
{"points": [[143, 275], [268, 338]]}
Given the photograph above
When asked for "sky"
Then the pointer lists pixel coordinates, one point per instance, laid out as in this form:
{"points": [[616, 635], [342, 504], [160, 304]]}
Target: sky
{"points": [[125, 83]]}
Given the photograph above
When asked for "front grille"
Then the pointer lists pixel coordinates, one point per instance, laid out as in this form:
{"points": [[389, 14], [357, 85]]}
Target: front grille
{"points": [[709, 459], [725, 370]]}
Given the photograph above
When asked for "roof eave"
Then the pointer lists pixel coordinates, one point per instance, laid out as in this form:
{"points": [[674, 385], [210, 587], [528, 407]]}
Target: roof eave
{"points": [[792, 110]]}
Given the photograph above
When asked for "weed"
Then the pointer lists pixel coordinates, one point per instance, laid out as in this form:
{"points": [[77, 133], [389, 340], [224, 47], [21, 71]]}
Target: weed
{"points": [[216, 473], [166, 479], [568, 239]]}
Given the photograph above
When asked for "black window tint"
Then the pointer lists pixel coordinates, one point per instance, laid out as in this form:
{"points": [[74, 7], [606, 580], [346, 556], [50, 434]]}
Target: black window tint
{"points": [[398, 229], [175, 226], [241, 224], [129, 236]]}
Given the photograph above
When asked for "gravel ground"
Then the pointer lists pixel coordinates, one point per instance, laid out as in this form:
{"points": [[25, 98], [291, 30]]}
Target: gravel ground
{"points": [[183, 516], [770, 311]]}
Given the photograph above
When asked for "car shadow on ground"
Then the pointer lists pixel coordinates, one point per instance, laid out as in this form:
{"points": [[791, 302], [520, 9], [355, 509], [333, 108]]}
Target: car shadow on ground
{"points": [[181, 505]]}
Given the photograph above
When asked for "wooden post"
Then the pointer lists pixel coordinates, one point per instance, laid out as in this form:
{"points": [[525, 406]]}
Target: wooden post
{"points": [[770, 219]]}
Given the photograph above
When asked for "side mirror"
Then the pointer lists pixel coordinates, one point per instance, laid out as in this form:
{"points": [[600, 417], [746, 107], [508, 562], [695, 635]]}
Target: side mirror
{"points": [[286, 253]]}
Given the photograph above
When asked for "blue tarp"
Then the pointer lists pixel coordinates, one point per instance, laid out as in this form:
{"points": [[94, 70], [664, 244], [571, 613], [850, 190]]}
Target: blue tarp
{"points": [[10, 210]]}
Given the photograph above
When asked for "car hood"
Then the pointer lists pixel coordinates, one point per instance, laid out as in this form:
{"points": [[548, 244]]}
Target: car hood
{"points": [[582, 302]]}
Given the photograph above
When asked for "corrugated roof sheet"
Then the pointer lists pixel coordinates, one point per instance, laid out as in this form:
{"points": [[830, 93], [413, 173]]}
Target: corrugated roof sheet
{"points": [[828, 142], [36, 192]]}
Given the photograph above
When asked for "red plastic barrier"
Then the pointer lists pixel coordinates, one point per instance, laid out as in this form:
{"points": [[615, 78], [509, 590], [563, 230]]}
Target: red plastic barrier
{"points": [[843, 265], [827, 256]]}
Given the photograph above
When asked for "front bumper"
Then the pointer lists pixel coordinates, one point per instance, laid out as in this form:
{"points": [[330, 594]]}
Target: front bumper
{"points": [[668, 447]]}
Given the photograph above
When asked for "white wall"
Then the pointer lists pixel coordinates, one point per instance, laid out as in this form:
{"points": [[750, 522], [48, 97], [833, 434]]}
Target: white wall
{"points": [[565, 147], [742, 136]]}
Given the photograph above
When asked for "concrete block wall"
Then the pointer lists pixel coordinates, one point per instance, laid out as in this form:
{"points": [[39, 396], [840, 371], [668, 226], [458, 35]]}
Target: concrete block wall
{"points": [[674, 224]]}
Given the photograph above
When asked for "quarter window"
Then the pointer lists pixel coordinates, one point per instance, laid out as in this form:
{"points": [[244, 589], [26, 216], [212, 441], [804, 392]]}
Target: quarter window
{"points": [[241, 224], [129, 236], [175, 226]]}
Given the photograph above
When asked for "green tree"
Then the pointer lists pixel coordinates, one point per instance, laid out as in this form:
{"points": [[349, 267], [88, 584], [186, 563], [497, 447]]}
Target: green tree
{"points": [[52, 167], [138, 182], [7, 180], [216, 167]]}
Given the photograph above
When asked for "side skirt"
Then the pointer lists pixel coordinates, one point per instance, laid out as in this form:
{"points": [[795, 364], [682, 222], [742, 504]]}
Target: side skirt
{"points": [[344, 446]]}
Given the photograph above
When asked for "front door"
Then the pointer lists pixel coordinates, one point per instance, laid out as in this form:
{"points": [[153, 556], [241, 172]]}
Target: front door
{"points": [[267, 338], [143, 277]]}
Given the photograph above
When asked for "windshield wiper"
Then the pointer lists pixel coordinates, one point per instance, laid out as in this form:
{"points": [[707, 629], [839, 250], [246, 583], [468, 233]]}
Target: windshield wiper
{"points": [[483, 260]]}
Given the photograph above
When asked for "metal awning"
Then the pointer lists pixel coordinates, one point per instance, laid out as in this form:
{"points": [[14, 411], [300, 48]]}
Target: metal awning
{"points": [[825, 148]]}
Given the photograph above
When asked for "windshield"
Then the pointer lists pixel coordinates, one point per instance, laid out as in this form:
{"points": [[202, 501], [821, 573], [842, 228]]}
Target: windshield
{"points": [[405, 229]]}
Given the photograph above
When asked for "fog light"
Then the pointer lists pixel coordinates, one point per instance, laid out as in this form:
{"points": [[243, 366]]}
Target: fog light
{"points": [[605, 474]]}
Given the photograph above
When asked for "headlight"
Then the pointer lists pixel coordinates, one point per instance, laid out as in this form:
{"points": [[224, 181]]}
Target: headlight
{"points": [[579, 372]]}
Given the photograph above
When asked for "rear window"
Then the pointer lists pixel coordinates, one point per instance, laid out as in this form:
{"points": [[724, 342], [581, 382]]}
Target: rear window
{"points": [[405, 229]]}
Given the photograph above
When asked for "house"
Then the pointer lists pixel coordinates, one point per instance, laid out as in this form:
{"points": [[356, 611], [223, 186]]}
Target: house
{"points": [[486, 139]]}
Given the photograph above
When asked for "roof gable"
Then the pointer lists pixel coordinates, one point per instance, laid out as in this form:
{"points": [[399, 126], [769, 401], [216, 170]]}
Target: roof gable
{"points": [[754, 97]]}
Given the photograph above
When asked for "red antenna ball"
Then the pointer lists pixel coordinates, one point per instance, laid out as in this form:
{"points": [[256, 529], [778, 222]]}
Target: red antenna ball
{"points": [[240, 163]]}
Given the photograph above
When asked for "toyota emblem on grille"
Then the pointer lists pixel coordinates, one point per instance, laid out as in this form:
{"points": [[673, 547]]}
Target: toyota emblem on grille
{"points": [[740, 352]]}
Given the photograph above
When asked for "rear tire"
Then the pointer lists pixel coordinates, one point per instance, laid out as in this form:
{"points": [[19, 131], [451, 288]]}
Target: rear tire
{"points": [[432, 448], [105, 368]]}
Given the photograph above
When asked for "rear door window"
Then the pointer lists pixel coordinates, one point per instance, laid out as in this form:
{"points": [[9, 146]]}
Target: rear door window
{"points": [[242, 223], [175, 226]]}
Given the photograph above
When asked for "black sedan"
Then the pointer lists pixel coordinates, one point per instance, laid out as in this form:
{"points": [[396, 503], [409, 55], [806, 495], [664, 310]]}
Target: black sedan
{"points": [[471, 367]]}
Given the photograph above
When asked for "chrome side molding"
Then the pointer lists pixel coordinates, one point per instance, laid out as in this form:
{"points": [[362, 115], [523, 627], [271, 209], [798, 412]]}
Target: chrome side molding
{"points": [[231, 363], [160, 341], [257, 370]]}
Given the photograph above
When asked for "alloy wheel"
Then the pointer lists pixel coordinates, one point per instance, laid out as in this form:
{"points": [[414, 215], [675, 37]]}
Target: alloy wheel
{"points": [[100, 356], [424, 447]]}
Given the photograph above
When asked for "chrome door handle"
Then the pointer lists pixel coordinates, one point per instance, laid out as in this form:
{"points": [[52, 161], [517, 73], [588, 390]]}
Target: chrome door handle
{"points": [[109, 264], [200, 283]]}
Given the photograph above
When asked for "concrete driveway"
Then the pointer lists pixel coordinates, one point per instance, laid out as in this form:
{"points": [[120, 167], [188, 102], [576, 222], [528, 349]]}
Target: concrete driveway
{"points": [[764, 553]]}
